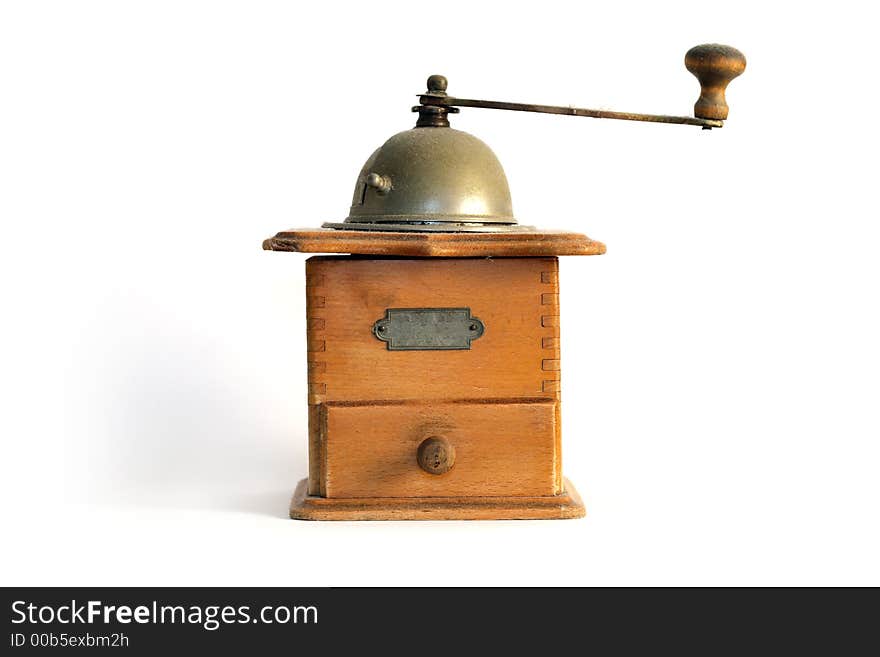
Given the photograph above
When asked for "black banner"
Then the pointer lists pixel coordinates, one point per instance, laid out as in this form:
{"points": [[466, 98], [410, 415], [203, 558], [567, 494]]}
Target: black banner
{"points": [[281, 620]]}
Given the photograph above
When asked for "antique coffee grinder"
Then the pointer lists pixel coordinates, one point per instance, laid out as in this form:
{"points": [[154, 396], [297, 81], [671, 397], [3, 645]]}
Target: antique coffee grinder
{"points": [[433, 344]]}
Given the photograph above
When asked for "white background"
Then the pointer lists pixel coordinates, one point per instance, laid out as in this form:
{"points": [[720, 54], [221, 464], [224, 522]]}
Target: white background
{"points": [[721, 377]]}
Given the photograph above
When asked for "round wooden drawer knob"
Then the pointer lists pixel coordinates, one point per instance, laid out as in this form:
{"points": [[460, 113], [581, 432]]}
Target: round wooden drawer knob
{"points": [[436, 455]]}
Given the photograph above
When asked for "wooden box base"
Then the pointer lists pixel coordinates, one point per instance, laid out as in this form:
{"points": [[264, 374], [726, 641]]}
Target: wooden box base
{"points": [[567, 504]]}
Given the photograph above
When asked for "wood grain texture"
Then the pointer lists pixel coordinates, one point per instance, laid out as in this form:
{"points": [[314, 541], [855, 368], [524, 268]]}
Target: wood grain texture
{"points": [[497, 403], [501, 448], [446, 245], [714, 65], [347, 363], [567, 504]]}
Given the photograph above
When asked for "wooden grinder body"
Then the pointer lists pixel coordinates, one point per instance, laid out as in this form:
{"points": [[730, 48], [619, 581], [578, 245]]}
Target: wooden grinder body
{"points": [[494, 405]]}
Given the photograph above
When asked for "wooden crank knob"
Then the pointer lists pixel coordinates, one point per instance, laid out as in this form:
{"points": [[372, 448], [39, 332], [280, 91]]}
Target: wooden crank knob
{"points": [[714, 66]]}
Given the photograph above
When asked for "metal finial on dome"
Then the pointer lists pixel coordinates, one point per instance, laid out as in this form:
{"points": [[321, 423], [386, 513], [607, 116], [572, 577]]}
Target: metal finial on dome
{"points": [[434, 116]]}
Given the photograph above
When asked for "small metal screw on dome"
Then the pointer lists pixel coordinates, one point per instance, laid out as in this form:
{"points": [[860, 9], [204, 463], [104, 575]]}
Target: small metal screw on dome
{"points": [[382, 184]]}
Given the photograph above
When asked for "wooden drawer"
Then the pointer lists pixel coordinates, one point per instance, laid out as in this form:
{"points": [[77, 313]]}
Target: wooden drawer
{"points": [[501, 448]]}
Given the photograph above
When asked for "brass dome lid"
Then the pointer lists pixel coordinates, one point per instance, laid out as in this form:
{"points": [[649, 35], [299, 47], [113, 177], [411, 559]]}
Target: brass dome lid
{"points": [[431, 178]]}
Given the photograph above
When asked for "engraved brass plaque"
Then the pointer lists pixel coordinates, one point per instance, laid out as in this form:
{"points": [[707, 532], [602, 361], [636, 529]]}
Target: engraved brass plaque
{"points": [[428, 329]]}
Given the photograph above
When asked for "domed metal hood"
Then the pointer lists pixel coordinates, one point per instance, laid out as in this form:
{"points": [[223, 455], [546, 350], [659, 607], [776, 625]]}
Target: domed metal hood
{"points": [[431, 178]]}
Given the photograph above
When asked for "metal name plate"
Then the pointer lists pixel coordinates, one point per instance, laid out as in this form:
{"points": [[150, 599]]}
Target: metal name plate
{"points": [[428, 329]]}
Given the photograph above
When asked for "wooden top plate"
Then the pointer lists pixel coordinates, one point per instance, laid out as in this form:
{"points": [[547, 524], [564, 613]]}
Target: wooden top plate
{"points": [[437, 245]]}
